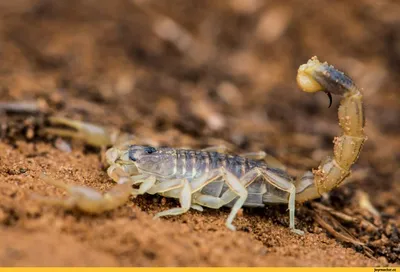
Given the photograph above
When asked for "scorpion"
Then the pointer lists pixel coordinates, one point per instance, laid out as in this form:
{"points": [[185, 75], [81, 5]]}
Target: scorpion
{"points": [[207, 178]]}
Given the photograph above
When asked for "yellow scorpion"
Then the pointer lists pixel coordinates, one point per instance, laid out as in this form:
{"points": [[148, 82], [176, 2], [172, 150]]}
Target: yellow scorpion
{"points": [[207, 178]]}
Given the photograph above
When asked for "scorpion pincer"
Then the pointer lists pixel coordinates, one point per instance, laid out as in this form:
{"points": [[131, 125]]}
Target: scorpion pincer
{"points": [[211, 179]]}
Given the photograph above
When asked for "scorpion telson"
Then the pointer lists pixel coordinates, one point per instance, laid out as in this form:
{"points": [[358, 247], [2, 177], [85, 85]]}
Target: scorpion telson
{"points": [[212, 179], [330, 98]]}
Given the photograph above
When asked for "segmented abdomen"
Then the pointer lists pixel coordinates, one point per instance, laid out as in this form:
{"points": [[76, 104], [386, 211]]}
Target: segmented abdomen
{"points": [[193, 164]]}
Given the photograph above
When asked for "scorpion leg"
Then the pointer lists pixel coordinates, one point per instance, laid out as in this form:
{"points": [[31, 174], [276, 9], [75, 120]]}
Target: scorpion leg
{"points": [[162, 188], [146, 185], [236, 189], [218, 148], [270, 160], [182, 189], [197, 207], [281, 181], [174, 188], [165, 186], [276, 178], [257, 156], [87, 199]]}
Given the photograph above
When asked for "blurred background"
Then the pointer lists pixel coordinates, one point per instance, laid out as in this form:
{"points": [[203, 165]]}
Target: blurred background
{"points": [[199, 73]]}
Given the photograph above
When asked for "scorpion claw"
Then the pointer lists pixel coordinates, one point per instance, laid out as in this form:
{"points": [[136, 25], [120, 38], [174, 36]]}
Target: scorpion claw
{"points": [[93, 135], [85, 198]]}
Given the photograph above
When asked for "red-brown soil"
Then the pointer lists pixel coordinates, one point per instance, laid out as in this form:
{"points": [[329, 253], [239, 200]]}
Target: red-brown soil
{"points": [[111, 63]]}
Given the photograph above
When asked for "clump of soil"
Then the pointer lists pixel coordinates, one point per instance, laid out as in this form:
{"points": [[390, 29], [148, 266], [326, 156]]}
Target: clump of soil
{"points": [[228, 79]]}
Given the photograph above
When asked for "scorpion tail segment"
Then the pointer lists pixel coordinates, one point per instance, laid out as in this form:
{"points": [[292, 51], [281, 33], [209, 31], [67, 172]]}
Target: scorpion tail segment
{"points": [[315, 76]]}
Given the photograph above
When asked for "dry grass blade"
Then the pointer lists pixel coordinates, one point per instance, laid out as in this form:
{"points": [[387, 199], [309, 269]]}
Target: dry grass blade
{"points": [[333, 227]]}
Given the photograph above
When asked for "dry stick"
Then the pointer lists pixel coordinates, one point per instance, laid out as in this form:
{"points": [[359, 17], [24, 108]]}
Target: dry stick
{"points": [[347, 218], [344, 235]]}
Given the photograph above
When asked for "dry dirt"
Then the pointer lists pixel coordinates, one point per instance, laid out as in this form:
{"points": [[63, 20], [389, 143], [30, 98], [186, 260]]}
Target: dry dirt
{"points": [[194, 74]]}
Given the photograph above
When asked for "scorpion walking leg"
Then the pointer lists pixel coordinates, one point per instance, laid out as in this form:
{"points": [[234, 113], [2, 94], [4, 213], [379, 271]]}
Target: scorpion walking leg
{"points": [[178, 187], [276, 178], [126, 173], [87, 199], [145, 186], [280, 180], [218, 148], [271, 161], [236, 189], [165, 187]]}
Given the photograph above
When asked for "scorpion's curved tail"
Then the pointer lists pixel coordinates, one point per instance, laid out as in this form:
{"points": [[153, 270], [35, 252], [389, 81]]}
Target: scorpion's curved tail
{"points": [[316, 76]]}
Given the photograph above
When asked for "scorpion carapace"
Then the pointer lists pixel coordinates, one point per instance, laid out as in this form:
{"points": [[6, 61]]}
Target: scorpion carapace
{"points": [[213, 179]]}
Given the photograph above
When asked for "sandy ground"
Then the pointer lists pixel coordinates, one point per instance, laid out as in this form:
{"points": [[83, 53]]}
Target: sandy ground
{"points": [[229, 78]]}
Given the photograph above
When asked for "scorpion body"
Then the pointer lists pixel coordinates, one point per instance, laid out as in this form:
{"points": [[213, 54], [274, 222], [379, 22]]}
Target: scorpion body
{"points": [[213, 179], [193, 164]]}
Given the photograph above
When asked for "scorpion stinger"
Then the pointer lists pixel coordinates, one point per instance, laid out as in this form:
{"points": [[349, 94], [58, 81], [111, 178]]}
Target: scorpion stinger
{"points": [[330, 98]]}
